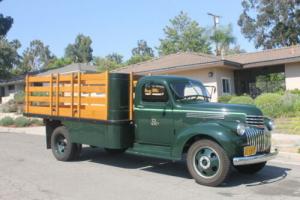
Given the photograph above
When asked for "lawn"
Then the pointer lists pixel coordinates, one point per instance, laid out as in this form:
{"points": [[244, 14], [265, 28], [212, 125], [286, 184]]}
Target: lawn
{"points": [[289, 125]]}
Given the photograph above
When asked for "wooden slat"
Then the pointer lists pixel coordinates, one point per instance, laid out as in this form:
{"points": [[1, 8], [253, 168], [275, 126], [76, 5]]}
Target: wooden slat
{"points": [[38, 89], [72, 95], [107, 92], [39, 79], [51, 94], [84, 100], [65, 78], [44, 110], [79, 93], [38, 99], [57, 95], [27, 94], [97, 76], [88, 89]]}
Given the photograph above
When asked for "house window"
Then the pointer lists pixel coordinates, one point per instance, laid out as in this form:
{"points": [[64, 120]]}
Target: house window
{"points": [[11, 87], [226, 85], [154, 93]]}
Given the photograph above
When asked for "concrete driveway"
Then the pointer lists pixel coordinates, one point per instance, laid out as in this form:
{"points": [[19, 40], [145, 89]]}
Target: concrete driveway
{"points": [[29, 171]]}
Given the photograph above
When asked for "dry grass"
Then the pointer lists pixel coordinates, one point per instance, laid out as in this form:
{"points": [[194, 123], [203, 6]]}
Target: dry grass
{"points": [[289, 125]]}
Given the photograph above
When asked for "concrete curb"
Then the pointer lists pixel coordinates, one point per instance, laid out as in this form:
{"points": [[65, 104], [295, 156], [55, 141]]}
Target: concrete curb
{"points": [[38, 130]]}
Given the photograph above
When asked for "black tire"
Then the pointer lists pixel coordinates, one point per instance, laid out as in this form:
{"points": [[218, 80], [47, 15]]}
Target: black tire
{"points": [[201, 172], [250, 169], [114, 151], [62, 148]]}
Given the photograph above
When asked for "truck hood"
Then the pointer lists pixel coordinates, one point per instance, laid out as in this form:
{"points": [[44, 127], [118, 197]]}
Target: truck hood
{"points": [[222, 108]]}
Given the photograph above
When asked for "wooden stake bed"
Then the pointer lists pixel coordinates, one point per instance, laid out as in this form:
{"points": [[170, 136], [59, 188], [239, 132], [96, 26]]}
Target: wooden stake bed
{"points": [[75, 95]]}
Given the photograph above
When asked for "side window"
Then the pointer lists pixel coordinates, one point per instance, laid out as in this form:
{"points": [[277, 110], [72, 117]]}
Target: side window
{"points": [[226, 85], [152, 92]]}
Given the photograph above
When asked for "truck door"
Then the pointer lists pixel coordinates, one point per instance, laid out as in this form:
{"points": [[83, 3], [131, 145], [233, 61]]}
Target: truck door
{"points": [[153, 115]]}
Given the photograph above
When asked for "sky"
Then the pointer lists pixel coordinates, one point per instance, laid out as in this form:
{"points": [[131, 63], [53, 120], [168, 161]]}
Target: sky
{"points": [[114, 26]]}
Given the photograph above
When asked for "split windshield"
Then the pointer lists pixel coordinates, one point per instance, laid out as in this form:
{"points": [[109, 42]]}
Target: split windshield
{"points": [[189, 90]]}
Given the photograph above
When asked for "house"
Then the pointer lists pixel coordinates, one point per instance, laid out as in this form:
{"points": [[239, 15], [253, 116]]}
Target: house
{"points": [[9, 87], [232, 74]]}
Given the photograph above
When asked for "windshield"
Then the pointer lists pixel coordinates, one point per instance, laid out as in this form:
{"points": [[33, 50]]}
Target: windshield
{"points": [[189, 90]]}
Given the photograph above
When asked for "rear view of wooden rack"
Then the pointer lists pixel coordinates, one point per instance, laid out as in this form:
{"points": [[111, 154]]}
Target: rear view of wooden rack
{"points": [[75, 95]]}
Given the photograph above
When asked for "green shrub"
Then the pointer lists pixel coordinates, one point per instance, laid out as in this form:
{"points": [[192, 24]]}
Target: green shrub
{"points": [[37, 122], [225, 98], [6, 121], [297, 106], [288, 103], [22, 122], [19, 97], [270, 104], [242, 100], [295, 91]]}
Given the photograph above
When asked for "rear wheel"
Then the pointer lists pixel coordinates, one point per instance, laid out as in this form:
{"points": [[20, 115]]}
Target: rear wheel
{"points": [[62, 148], [208, 163], [251, 169]]}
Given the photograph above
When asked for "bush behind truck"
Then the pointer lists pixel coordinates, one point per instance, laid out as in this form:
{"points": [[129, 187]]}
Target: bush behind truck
{"points": [[157, 116]]}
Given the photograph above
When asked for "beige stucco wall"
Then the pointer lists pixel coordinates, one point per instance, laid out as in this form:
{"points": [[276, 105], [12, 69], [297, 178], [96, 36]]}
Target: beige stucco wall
{"points": [[227, 74], [292, 76]]}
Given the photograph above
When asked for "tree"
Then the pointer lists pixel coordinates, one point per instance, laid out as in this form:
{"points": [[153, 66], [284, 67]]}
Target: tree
{"points": [[59, 62], [81, 51], [5, 24], [183, 34], [142, 49], [271, 24], [9, 56], [140, 53], [104, 64], [223, 38], [137, 59], [115, 57], [36, 57], [235, 50]]}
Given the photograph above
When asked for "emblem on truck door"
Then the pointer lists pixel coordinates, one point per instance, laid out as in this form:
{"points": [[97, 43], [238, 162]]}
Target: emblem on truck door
{"points": [[154, 122]]}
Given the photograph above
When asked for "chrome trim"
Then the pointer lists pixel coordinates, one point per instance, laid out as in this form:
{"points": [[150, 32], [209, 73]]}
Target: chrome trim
{"points": [[254, 159], [259, 138]]}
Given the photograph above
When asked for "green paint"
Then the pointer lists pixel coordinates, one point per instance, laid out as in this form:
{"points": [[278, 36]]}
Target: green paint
{"points": [[162, 129]]}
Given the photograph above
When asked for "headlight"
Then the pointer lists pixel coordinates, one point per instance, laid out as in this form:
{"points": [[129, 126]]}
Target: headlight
{"points": [[270, 125], [241, 129]]}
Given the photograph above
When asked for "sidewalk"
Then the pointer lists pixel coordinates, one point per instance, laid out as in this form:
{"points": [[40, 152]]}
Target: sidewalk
{"points": [[38, 130]]}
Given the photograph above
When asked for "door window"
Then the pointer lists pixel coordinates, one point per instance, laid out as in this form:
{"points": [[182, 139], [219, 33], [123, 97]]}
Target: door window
{"points": [[154, 93]]}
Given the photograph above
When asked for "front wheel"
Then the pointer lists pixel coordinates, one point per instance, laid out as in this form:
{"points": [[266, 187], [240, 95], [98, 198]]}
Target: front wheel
{"points": [[251, 169], [208, 163]]}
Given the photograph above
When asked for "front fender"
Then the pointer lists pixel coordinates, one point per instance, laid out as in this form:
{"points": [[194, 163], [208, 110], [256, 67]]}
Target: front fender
{"points": [[224, 136]]}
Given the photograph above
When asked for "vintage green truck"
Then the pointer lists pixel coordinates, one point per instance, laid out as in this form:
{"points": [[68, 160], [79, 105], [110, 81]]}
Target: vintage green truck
{"points": [[167, 117]]}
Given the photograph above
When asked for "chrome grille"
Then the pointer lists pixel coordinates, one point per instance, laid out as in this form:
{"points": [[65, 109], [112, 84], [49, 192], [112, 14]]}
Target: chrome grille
{"points": [[255, 120], [259, 138]]}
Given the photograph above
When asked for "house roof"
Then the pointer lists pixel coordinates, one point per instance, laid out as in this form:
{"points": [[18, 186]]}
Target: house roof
{"points": [[74, 67], [187, 60], [176, 61], [265, 57]]}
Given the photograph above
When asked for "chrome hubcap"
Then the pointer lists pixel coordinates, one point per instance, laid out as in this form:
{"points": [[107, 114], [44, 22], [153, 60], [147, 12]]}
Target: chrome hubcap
{"points": [[206, 162]]}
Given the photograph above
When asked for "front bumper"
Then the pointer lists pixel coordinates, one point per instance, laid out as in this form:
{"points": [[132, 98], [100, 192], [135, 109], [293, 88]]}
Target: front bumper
{"points": [[254, 159]]}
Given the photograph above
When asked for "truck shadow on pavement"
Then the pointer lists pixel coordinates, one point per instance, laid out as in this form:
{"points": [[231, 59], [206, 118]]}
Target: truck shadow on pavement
{"points": [[270, 174]]}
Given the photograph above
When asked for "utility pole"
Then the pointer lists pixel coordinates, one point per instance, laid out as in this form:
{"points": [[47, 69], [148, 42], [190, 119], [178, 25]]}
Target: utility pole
{"points": [[216, 19]]}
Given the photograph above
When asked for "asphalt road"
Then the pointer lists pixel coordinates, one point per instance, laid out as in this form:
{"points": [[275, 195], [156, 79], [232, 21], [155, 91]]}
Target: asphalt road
{"points": [[29, 171]]}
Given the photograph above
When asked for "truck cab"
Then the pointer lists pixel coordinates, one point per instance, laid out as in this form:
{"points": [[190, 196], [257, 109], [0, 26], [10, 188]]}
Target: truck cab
{"points": [[169, 117]]}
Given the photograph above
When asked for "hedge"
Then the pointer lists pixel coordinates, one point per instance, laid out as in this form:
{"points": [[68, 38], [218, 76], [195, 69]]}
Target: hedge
{"points": [[242, 100]]}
